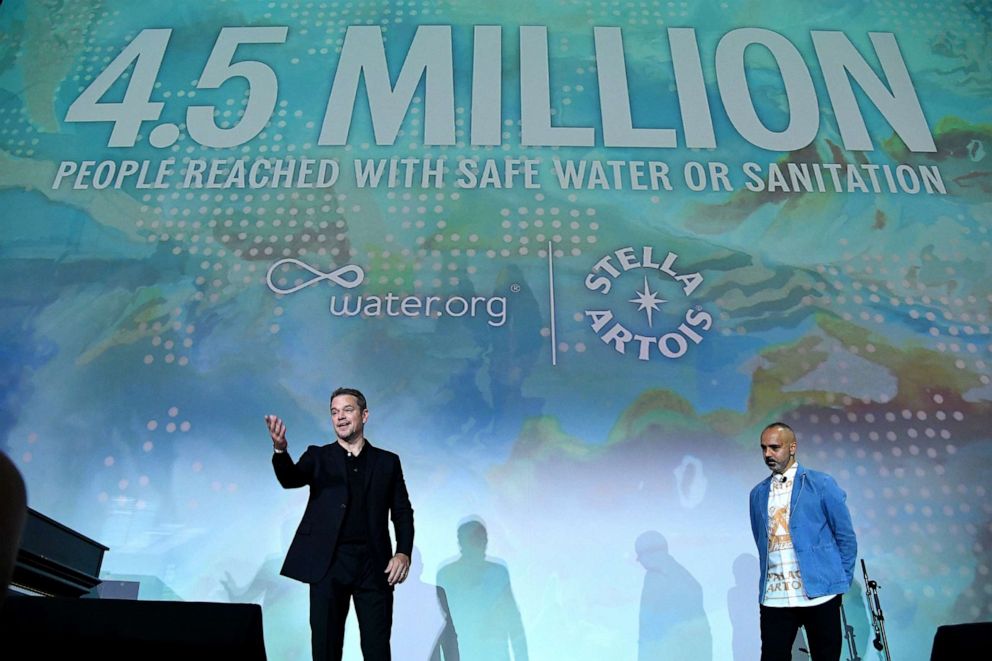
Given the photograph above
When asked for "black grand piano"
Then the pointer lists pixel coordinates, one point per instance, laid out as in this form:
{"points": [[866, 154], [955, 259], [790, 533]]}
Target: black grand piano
{"points": [[55, 560], [43, 616]]}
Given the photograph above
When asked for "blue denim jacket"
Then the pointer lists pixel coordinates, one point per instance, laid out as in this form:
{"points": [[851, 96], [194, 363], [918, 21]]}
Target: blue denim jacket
{"points": [[821, 531]]}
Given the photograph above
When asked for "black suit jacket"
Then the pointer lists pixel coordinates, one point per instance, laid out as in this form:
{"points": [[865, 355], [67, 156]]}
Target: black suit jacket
{"points": [[323, 470]]}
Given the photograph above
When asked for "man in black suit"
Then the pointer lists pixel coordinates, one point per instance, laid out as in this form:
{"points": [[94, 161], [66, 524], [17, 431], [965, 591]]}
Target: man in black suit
{"points": [[342, 546]]}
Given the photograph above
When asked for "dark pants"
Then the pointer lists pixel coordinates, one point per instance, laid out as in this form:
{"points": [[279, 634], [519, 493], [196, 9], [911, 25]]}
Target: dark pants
{"points": [[351, 576], [779, 627]]}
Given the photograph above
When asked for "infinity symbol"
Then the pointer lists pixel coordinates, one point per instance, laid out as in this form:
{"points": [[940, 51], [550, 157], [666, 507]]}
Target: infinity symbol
{"points": [[336, 276]]}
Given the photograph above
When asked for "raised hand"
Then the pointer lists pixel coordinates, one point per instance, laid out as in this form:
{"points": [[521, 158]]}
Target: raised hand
{"points": [[277, 430]]}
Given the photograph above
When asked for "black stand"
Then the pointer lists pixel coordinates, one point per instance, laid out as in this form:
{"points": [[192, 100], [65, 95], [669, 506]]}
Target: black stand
{"points": [[880, 642]]}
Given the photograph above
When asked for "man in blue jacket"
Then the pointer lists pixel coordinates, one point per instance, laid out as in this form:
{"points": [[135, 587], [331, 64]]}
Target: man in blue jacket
{"points": [[807, 550]]}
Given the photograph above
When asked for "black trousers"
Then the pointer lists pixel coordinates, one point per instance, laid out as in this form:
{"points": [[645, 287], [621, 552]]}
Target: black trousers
{"points": [[779, 627], [351, 576]]}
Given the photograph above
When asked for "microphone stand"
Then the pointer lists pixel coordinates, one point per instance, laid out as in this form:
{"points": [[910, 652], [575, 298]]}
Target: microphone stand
{"points": [[880, 642]]}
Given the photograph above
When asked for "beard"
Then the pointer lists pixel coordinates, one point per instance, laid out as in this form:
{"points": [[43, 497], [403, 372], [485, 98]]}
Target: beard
{"points": [[778, 466]]}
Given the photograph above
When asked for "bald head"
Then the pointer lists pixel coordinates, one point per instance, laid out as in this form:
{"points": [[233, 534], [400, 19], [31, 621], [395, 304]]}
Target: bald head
{"points": [[778, 446]]}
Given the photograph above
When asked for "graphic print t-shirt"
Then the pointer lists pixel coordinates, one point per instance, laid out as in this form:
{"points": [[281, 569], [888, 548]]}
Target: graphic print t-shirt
{"points": [[784, 585]]}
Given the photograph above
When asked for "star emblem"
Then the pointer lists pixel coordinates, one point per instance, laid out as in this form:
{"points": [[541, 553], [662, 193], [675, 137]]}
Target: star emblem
{"points": [[647, 300]]}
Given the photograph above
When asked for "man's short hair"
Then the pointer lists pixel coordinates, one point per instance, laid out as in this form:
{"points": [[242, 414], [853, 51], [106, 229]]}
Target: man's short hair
{"points": [[778, 424], [357, 394]]}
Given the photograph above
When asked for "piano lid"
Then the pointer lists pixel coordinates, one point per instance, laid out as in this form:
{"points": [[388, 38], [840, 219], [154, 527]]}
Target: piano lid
{"points": [[56, 560]]}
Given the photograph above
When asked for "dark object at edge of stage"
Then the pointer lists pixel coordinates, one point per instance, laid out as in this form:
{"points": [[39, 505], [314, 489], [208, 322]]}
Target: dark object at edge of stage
{"points": [[961, 641], [110, 629]]}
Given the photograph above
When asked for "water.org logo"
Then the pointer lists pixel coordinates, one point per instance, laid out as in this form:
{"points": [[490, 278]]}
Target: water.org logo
{"points": [[614, 275], [492, 308]]}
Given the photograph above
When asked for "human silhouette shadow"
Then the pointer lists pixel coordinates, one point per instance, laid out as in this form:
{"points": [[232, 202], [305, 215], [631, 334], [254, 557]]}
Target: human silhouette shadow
{"points": [[422, 627], [673, 624], [742, 606], [483, 610], [280, 601]]}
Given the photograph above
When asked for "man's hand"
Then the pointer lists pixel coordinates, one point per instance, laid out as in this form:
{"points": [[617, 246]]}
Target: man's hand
{"points": [[398, 568], [277, 430]]}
